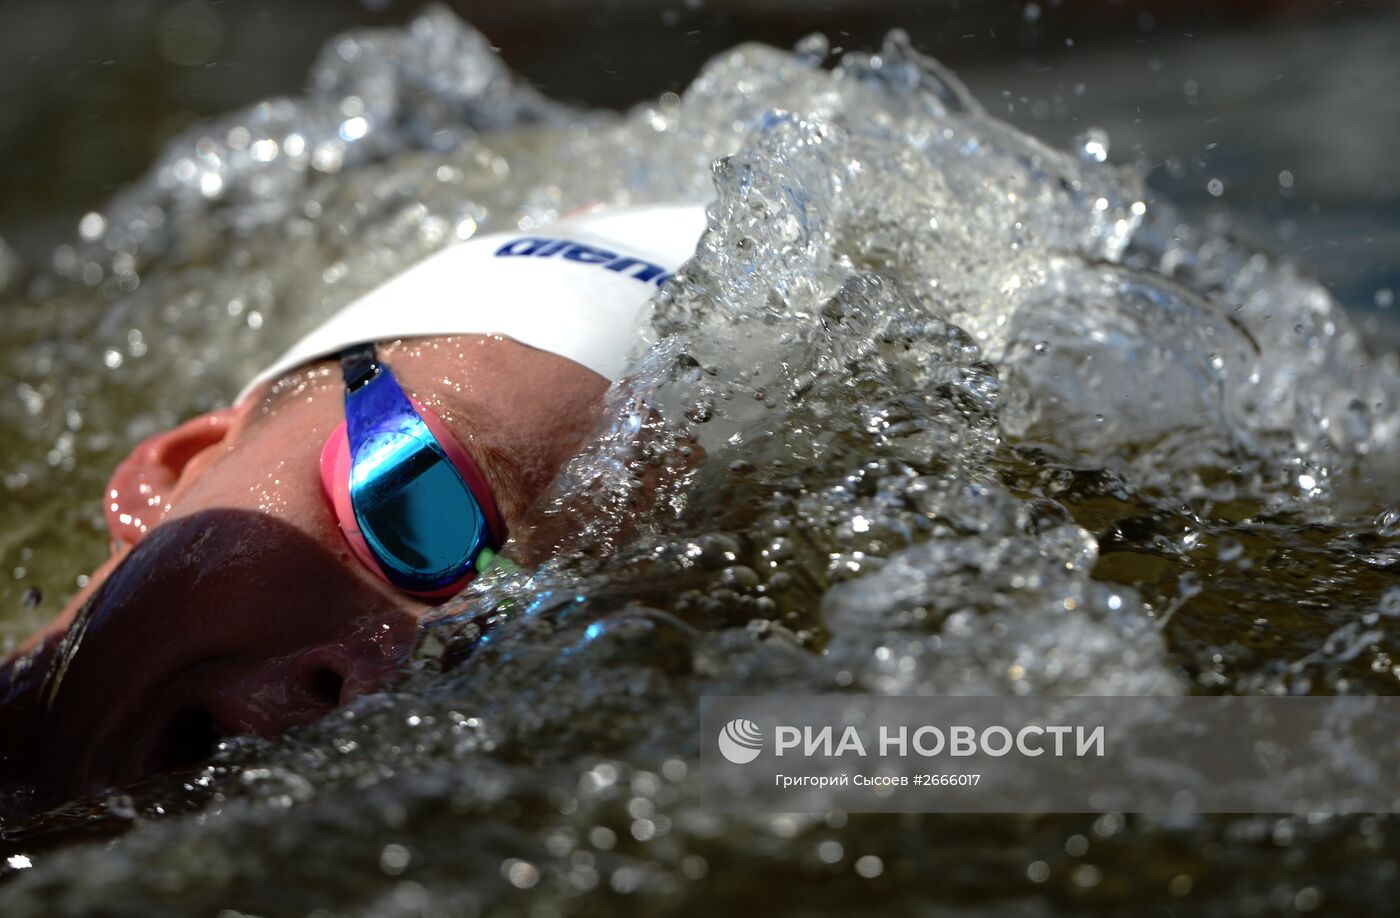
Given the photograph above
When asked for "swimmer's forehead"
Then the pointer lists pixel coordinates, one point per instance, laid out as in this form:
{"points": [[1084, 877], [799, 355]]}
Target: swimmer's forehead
{"points": [[293, 386], [302, 381]]}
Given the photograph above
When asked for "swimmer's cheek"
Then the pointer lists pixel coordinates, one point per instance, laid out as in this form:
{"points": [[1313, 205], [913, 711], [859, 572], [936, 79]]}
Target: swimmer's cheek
{"points": [[576, 529]]}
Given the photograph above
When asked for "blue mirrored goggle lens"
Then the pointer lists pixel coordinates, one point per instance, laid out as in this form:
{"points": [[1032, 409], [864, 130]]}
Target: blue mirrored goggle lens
{"points": [[414, 510]]}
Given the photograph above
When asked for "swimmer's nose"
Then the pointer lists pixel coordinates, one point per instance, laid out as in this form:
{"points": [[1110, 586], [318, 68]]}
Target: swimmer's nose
{"points": [[338, 673], [270, 697]]}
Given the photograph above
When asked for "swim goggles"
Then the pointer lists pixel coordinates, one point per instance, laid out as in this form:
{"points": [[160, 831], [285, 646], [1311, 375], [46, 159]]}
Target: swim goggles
{"points": [[412, 504]]}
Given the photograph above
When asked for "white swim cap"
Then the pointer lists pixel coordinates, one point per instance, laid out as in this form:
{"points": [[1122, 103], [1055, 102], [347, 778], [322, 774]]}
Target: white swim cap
{"points": [[575, 288]]}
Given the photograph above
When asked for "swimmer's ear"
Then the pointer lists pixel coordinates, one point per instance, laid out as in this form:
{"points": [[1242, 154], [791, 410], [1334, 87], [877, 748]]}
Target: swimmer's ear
{"points": [[138, 496]]}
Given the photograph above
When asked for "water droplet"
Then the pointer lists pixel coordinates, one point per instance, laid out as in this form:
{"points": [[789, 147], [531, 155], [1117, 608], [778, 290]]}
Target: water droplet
{"points": [[354, 128], [520, 874], [263, 151], [394, 859], [92, 226], [1086, 876], [870, 866], [1229, 549], [814, 47], [1307, 899]]}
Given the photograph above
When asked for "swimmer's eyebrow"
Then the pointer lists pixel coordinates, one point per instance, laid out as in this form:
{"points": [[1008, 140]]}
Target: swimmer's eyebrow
{"points": [[290, 385], [504, 470], [503, 473]]}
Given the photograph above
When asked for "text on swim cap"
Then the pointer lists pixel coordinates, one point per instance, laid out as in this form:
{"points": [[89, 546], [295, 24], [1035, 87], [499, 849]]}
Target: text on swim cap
{"points": [[544, 247]]}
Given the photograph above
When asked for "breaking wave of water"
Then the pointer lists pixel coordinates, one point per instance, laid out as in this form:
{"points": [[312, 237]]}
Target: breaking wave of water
{"points": [[935, 409]]}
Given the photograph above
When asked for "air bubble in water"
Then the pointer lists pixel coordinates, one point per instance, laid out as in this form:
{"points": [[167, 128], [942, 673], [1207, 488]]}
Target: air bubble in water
{"points": [[1093, 145]]}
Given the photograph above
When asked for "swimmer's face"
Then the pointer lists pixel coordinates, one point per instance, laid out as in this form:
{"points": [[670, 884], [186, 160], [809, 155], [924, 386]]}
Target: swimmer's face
{"points": [[234, 605]]}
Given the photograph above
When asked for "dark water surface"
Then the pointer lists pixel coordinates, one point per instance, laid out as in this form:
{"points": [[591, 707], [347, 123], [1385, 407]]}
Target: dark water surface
{"points": [[1241, 92]]}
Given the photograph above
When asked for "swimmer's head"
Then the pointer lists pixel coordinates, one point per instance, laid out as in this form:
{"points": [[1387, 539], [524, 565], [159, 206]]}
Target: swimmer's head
{"points": [[234, 603], [270, 560]]}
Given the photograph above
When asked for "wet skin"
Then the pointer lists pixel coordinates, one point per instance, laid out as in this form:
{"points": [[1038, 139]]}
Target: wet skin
{"points": [[232, 604]]}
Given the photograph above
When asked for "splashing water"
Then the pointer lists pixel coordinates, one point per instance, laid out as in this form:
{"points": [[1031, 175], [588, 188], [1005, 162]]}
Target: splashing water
{"points": [[934, 409]]}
